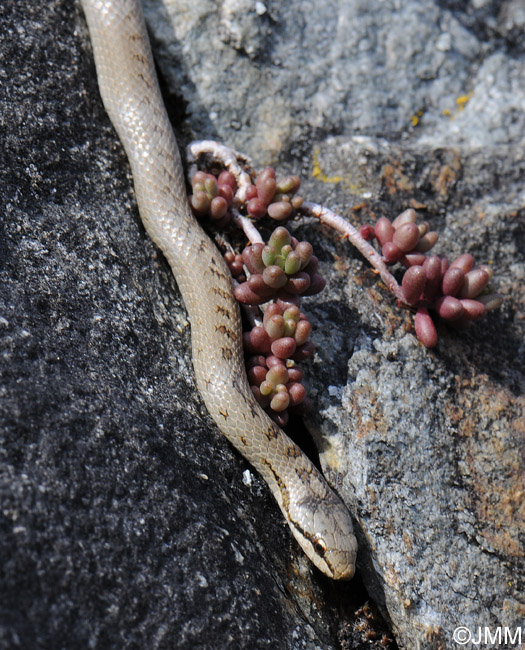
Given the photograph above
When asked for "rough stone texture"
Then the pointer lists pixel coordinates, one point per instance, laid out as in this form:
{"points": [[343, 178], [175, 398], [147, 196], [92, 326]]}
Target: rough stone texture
{"points": [[426, 447], [264, 75], [426, 100], [124, 518]]}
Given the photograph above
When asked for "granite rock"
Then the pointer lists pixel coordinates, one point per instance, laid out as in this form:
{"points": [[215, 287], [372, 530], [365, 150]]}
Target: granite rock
{"points": [[263, 76], [126, 520], [384, 106]]}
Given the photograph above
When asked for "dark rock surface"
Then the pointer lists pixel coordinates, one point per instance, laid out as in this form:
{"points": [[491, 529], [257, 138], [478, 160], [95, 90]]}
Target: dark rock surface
{"points": [[125, 519], [383, 106]]}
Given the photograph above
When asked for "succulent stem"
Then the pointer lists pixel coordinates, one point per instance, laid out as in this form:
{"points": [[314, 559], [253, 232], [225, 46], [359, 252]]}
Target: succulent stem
{"points": [[326, 216]]}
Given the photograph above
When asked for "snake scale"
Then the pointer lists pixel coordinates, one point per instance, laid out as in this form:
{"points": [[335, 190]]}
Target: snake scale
{"points": [[130, 92]]}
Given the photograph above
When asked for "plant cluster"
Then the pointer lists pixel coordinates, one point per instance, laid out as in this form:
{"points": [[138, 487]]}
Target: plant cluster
{"points": [[213, 196], [284, 268], [277, 199], [456, 292], [279, 274], [275, 275], [268, 196]]}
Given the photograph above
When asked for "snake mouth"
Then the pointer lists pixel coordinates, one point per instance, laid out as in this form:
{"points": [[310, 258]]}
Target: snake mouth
{"points": [[337, 564], [347, 573]]}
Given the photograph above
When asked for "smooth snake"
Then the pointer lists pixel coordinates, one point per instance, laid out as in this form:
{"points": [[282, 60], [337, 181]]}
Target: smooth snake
{"points": [[128, 84]]}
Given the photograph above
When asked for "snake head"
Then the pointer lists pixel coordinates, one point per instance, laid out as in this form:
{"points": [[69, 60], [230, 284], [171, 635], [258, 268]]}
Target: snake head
{"points": [[323, 527]]}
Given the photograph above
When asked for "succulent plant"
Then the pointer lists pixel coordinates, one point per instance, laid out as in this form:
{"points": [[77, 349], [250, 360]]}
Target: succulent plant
{"points": [[284, 268], [213, 196], [280, 272], [267, 196], [457, 293]]}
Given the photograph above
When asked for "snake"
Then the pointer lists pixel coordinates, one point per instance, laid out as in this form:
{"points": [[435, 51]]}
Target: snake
{"points": [[129, 88]]}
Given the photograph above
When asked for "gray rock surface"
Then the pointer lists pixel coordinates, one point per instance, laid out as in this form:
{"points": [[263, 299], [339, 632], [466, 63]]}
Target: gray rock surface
{"points": [[427, 103], [124, 517], [264, 76], [426, 447], [126, 520]]}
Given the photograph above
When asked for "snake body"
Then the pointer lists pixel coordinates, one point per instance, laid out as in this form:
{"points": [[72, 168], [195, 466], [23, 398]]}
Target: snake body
{"points": [[129, 88]]}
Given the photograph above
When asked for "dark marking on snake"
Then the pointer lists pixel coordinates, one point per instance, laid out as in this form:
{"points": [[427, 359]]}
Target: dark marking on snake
{"points": [[293, 451], [236, 386], [224, 414], [244, 441], [219, 309], [171, 180], [141, 59], [187, 230], [280, 483], [227, 353], [222, 293], [226, 331], [218, 274], [304, 474], [272, 432], [147, 82]]}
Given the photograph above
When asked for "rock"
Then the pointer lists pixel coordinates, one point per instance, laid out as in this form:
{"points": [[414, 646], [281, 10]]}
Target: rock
{"points": [[427, 104], [126, 519], [426, 446], [266, 77]]}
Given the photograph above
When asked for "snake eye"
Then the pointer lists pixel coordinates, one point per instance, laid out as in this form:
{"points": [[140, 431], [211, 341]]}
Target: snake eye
{"points": [[320, 546]]}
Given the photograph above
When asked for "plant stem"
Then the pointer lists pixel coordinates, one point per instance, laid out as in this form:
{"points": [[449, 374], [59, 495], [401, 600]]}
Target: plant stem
{"points": [[326, 216]]}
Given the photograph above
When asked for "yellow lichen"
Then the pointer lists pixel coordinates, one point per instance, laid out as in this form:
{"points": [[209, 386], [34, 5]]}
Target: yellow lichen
{"points": [[348, 182], [416, 117], [319, 174], [461, 102]]}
